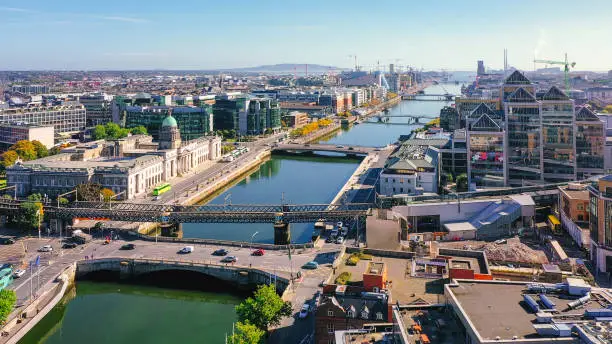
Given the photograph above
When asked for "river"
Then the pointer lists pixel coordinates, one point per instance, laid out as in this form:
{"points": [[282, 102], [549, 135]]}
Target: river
{"points": [[310, 180], [115, 313]]}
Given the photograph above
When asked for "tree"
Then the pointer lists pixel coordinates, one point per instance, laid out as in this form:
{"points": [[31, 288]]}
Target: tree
{"points": [[40, 149], [264, 309], [30, 215], [462, 183], [268, 131], [8, 298], [139, 130], [99, 132], [246, 333], [89, 192], [25, 149], [9, 158], [54, 150], [107, 194], [63, 201]]}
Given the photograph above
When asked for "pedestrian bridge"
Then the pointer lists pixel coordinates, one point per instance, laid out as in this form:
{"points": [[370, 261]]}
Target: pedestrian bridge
{"points": [[127, 268], [311, 148]]}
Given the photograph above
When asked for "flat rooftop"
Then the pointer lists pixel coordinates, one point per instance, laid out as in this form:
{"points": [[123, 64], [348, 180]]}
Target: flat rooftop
{"points": [[93, 163], [375, 268], [507, 316]]}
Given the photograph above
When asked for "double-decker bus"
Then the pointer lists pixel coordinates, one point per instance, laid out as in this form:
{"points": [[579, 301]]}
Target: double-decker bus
{"points": [[160, 189]]}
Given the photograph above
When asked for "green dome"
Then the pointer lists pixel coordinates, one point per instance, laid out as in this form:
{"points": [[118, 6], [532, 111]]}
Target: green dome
{"points": [[169, 122]]}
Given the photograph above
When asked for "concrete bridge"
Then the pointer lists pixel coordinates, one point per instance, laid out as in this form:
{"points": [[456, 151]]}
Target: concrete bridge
{"points": [[429, 97], [311, 148], [127, 268]]}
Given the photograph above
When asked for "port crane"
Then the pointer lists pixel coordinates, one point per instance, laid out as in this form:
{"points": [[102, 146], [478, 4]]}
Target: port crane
{"points": [[566, 67]]}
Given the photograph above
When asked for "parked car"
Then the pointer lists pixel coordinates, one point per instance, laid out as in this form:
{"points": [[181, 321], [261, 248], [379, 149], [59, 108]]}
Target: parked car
{"points": [[229, 259], [18, 273], [304, 311], [7, 241], [339, 146], [311, 265], [329, 239], [186, 249], [340, 240], [46, 248], [128, 247], [70, 245], [221, 252], [259, 252]]}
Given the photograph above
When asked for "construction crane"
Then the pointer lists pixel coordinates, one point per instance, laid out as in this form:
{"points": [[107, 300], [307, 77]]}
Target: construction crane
{"points": [[566, 67]]}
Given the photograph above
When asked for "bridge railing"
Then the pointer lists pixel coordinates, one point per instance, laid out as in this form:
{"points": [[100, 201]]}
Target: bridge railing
{"points": [[245, 244]]}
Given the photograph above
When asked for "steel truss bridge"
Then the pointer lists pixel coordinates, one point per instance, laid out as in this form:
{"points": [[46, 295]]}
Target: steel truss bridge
{"points": [[223, 213]]}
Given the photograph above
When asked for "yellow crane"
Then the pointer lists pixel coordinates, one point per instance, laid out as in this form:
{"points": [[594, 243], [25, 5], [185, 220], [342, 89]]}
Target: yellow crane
{"points": [[566, 67]]}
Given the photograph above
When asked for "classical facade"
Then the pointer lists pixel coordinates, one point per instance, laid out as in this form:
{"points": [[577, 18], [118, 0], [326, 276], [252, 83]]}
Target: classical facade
{"points": [[133, 165]]}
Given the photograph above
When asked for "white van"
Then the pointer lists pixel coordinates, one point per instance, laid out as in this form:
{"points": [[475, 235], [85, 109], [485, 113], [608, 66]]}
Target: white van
{"points": [[186, 249]]}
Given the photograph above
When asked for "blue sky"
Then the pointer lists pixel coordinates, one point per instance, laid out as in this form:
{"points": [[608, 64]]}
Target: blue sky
{"points": [[135, 34]]}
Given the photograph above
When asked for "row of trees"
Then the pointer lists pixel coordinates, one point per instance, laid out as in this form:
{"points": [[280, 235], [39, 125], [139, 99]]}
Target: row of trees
{"points": [[310, 127], [256, 314], [26, 151], [112, 131]]}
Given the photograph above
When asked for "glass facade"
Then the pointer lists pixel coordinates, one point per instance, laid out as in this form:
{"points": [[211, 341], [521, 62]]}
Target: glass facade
{"points": [[524, 141], [590, 143], [487, 159], [226, 112], [193, 122], [558, 140], [66, 118]]}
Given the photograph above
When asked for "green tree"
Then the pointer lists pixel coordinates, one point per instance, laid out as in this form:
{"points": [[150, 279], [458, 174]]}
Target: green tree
{"points": [[89, 192], [8, 298], [41, 150], [246, 333], [30, 215], [63, 201], [139, 130], [99, 132], [25, 149], [269, 131], [54, 150], [462, 183], [264, 309]]}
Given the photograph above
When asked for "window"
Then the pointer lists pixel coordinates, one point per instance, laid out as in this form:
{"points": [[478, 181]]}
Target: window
{"points": [[330, 313], [401, 180], [580, 206], [364, 315], [580, 217], [401, 190], [330, 328], [350, 314], [379, 316]]}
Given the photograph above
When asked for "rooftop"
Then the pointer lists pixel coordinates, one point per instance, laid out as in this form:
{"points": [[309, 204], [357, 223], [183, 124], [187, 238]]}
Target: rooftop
{"points": [[375, 268]]}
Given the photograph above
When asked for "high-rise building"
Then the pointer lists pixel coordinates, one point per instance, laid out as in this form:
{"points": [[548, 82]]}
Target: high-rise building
{"points": [[193, 122], [481, 68], [262, 114], [485, 145], [559, 154], [98, 108], [391, 68], [67, 118], [590, 143], [227, 110], [600, 218]]}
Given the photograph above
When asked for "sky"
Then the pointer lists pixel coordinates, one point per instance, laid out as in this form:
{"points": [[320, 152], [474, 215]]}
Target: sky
{"points": [[192, 34]]}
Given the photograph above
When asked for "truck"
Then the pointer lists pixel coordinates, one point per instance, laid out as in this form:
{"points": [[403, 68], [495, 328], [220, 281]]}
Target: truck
{"points": [[79, 237]]}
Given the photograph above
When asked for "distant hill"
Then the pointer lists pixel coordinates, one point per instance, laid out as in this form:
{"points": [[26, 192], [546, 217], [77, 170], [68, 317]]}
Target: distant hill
{"points": [[288, 68]]}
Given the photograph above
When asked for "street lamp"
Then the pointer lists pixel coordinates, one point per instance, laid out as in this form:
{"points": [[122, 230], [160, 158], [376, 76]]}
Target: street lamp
{"points": [[39, 220], [251, 248]]}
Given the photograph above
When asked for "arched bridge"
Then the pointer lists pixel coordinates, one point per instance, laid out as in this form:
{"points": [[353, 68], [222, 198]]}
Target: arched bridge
{"points": [[224, 213], [300, 148]]}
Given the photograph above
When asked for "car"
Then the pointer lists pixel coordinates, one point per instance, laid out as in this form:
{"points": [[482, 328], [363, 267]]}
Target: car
{"points": [[311, 265], [229, 259], [69, 245], [377, 149], [220, 252], [46, 248], [351, 148], [7, 241], [329, 239], [307, 145], [18, 273], [340, 240], [339, 224], [304, 311], [186, 249], [339, 146], [128, 247], [156, 198], [259, 252]]}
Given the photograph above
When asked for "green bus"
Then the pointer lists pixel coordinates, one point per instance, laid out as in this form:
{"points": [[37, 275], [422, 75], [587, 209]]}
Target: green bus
{"points": [[160, 189]]}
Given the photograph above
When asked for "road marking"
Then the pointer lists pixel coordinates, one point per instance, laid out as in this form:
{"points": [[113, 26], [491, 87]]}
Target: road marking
{"points": [[29, 278]]}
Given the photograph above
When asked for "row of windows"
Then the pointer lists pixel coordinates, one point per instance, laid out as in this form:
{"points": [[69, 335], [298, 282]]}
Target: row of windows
{"points": [[350, 314]]}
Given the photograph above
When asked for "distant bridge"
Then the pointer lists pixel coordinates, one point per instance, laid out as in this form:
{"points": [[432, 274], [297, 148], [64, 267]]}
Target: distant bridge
{"points": [[309, 148], [429, 97], [218, 213]]}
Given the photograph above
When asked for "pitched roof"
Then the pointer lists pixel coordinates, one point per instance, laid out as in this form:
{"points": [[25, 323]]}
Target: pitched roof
{"points": [[585, 114], [482, 109], [485, 123], [554, 93], [521, 96], [517, 78]]}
